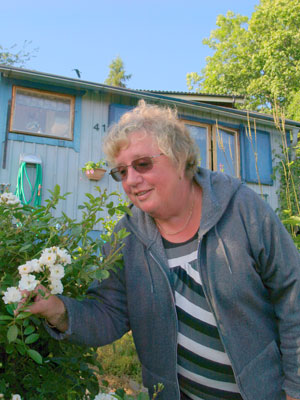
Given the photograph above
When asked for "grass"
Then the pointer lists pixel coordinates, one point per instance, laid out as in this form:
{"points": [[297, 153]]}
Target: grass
{"points": [[121, 366]]}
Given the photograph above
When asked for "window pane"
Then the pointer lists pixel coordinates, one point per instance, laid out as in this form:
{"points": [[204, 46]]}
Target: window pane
{"points": [[258, 143], [44, 114], [116, 111], [200, 135], [226, 152]]}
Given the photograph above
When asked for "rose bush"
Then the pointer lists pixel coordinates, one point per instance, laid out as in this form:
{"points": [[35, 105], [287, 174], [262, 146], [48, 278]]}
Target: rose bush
{"points": [[59, 252]]}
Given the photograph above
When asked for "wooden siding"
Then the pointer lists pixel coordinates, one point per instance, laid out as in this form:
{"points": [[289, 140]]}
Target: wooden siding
{"points": [[62, 165]]}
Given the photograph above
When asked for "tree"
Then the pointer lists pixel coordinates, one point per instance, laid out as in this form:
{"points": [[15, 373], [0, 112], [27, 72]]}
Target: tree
{"points": [[117, 76], [20, 58], [258, 58]]}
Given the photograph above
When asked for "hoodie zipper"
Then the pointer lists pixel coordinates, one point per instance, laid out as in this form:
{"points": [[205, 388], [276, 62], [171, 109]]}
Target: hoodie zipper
{"points": [[175, 312]]}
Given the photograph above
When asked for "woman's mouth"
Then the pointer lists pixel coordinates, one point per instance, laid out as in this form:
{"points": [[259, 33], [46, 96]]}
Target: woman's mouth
{"points": [[142, 193]]}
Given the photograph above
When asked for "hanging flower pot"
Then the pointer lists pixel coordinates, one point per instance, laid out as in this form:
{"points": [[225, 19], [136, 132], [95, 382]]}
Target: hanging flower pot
{"points": [[95, 174], [94, 171]]}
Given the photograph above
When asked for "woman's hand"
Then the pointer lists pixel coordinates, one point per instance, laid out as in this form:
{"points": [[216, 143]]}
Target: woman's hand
{"points": [[45, 305]]}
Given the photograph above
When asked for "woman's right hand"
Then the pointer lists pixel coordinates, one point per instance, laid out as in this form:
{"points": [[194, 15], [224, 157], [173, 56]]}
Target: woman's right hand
{"points": [[45, 305]]}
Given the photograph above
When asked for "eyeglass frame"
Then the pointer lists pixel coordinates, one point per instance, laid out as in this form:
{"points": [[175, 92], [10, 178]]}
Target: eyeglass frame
{"points": [[116, 169]]}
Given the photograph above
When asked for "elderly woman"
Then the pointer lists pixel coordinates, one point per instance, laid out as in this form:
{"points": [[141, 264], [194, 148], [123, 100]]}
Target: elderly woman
{"points": [[211, 281]]}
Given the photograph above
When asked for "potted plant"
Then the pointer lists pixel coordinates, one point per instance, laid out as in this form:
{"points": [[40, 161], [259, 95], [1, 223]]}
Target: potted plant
{"points": [[94, 170]]}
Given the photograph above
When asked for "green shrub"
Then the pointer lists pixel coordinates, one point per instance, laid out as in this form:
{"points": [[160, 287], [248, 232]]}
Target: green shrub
{"points": [[32, 364]]}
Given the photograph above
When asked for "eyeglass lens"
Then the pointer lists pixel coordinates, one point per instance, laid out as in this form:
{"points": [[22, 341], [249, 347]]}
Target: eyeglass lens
{"points": [[141, 165]]}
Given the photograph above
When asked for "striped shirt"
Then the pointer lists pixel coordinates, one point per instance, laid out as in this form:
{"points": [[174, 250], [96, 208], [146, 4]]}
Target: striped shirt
{"points": [[204, 369]]}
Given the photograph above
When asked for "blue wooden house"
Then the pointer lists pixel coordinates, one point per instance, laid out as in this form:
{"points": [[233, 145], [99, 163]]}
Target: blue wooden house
{"points": [[59, 123]]}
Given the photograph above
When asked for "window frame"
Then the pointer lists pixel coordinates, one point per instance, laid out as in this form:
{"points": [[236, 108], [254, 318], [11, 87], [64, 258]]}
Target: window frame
{"points": [[53, 94], [209, 139], [211, 147], [235, 133]]}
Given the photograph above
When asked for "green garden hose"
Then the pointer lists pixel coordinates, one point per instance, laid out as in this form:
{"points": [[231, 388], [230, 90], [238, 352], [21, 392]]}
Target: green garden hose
{"points": [[36, 192]]}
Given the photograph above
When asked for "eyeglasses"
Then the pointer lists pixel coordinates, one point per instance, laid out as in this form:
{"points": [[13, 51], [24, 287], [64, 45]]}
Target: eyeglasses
{"points": [[141, 165]]}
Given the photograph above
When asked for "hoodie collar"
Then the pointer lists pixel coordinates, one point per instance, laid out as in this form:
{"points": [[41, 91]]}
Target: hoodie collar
{"points": [[217, 189]]}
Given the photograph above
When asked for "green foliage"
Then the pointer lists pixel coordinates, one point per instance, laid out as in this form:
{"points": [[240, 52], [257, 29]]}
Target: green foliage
{"points": [[289, 195], [30, 361], [117, 76], [92, 165], [258, 58], [120, 358], [19, 58], [293, 109]]}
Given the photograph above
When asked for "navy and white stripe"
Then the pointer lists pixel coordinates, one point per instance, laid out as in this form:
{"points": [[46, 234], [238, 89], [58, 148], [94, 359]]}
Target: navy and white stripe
{"points": [[204, 369]]}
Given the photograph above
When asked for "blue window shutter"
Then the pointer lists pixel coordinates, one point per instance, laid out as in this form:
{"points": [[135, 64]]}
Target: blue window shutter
{"points": [[116, 111], [260, 144]]}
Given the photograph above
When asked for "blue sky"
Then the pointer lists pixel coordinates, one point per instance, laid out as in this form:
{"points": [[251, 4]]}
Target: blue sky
{"points": [[160, 41]]}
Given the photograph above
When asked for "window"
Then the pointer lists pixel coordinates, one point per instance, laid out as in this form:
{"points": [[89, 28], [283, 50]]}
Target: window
{"points": [[202, 136], [42, 113], [219, 147], [226, 151], [257, 157], [116, 111]]}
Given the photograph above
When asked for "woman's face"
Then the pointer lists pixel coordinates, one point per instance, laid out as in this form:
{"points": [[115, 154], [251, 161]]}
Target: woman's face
{"points": [[156, 191]]}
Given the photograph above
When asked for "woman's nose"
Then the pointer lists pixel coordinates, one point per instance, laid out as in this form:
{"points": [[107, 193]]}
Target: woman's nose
{"points": [[133, 176]]}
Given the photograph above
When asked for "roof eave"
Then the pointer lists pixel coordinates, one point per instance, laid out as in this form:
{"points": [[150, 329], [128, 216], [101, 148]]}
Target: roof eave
{"points": [[20, 73]]}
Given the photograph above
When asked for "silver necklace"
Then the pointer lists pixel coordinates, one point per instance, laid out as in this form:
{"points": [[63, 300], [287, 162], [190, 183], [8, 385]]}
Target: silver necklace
{"points": [[187, 221]]}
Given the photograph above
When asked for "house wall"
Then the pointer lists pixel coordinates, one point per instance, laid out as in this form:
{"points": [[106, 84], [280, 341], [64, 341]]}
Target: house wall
{"points": [[268, 191], [62, 165]]}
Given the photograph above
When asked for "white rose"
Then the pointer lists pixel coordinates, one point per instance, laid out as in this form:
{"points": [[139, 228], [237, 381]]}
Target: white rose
{"points": [[35, 265], [16, 397], [64, 256], [57, 271], [25, 268], [9, 198], [47, 258], [28, 282], [56, 286], [12, 295]]}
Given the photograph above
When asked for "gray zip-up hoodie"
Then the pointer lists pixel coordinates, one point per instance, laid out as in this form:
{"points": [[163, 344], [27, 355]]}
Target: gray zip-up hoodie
{"points": [[250, 271]]}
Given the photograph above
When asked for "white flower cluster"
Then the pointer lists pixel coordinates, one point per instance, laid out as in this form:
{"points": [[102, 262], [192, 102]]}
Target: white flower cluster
{"points": [[49, 269], [13, 396], [9, 198]]}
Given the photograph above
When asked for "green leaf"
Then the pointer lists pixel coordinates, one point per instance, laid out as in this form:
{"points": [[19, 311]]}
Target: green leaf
{"points": [[125, 209], [29, 330], [111, 211], [35, 356], [56, 190], [101, 274], [25, 247], [5, 317], [21, 349], [9, 349], [10, 308], [12, 333], [293, 220], [32, 338], [23, 315]]}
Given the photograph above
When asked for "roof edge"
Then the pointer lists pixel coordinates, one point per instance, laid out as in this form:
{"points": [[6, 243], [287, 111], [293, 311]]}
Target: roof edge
{"points": [[15, 72]]}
